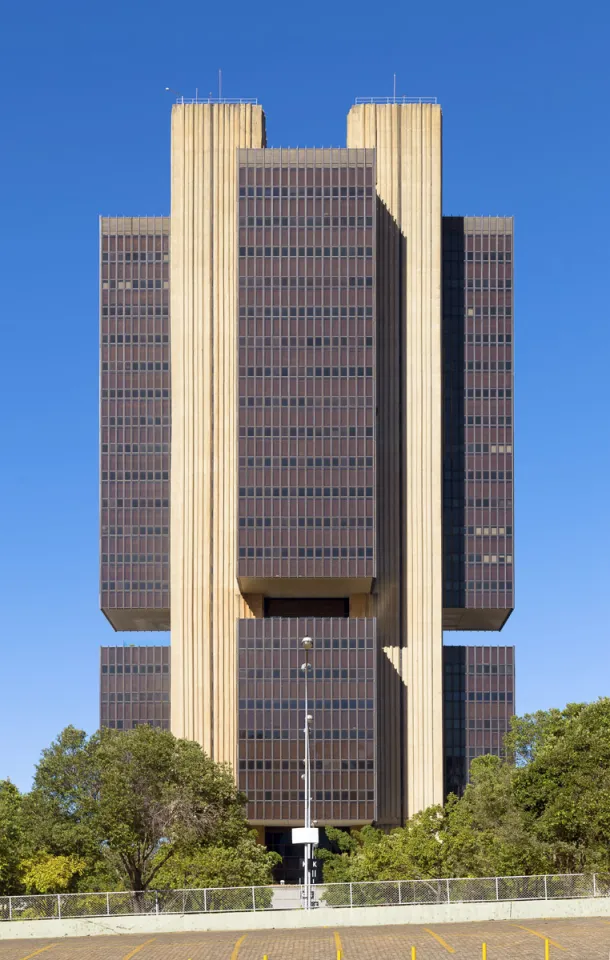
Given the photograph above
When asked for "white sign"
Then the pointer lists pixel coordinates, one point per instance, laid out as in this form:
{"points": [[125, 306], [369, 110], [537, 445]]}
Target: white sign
{"points": [[305, 835]]}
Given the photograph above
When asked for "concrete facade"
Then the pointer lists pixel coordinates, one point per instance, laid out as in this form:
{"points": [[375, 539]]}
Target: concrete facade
{"points": [[206, 601], [407, 139]]}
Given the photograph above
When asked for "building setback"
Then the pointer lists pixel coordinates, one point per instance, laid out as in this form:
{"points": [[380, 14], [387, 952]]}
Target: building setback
{"points": [[341, 449]]}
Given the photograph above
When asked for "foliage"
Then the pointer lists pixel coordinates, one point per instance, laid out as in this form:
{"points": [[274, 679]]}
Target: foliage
{"points": [[45, 873], [11, 837], [247, 863], [549, 812], [129, 802]]}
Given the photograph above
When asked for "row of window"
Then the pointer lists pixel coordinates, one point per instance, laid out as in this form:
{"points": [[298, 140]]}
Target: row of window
{"points": [[344, 704], [271, 342], [135, 558], [493, 365], [305, 462], [294, 191], [477, 502], [494, 283], [302, 492], [135, 284], [259, 673], [298, 553], [136, 365], [318, 795], [143, 256], [322, 643], [299, 372], [295, 522], [137, 531], [135, 475], [291, 312], [135, 421], [135, 394], [142, 697], [476, 421], [128, 724], [325, 765], [493, 393], [480, 531], [456, 585], [125, 310], [135, 668], [288, 252], [328, 402], [490, 338], [296, 734], [139, 502], [281, 432], [488, 474], [479, 668], [478, 558], [144, 587], [334, 283], [140, 448], [135, 338], [325, 221]]}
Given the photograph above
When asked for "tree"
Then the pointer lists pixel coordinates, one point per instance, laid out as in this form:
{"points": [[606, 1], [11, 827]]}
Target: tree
{"points": [[45, 873], [247, 863], [11, 837], [128, 802]]}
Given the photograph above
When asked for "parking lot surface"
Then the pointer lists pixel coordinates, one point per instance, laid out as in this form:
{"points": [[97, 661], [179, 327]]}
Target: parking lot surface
{"points": [[587, 939]]}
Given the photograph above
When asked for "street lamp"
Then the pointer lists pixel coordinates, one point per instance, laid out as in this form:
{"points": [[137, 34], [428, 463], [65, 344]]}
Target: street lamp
{"points": [[307, 835]]}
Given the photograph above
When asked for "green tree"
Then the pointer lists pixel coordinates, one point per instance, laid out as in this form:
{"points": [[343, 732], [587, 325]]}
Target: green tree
{"points": [[246, 863], [129, 802], [45, 873], [11, 837]]}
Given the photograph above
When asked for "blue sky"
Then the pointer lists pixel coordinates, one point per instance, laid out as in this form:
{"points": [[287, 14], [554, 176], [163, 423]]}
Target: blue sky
{"points": [[85, 129]]}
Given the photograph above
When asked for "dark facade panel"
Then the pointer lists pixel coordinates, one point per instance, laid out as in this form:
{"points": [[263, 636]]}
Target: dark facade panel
{"points": [[478, 422], [478, 703], [134, 687], [272, 711], [306, 415], [135, 422]]}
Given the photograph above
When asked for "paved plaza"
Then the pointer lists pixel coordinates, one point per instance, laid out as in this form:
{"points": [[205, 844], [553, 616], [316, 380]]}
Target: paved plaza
{"points": [[587, 939]]}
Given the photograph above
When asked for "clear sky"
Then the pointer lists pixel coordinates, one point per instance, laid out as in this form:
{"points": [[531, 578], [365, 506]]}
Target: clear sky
{"points": [[84, 120]]}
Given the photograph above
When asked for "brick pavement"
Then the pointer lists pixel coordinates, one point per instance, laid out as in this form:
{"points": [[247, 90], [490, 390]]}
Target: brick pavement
{"points": [[571, 940]]}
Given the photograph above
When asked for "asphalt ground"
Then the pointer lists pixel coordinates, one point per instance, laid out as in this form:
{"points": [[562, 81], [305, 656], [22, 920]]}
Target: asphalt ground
{"points": [[582, 939]]}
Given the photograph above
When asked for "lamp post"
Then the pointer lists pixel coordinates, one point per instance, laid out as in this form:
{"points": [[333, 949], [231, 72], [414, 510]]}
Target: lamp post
{"points": [[307, 835]]}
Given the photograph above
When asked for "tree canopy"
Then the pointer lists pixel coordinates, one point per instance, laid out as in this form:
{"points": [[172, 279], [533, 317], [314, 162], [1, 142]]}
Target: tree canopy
{"points": [[547, 812], [116, 809]]}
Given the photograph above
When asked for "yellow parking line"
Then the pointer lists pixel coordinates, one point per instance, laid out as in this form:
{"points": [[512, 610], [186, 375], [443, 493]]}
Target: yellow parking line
{"points": [[440, 940], [235, 953], [542, 936], [36, 952], [338, 945], [133, 952]]}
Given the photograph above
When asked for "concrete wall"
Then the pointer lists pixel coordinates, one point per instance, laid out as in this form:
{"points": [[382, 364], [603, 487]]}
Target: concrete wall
{"points": [[407, 138], [298, 919], [205, 598]]}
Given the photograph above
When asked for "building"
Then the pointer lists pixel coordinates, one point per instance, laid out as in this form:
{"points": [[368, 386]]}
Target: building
{"points": [[479, 699], [134, 687], [341, 448], [478, 703]]}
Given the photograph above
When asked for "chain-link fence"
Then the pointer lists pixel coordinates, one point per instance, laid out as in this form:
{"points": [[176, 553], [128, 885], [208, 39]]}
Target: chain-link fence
{"points": [[238, 899]]}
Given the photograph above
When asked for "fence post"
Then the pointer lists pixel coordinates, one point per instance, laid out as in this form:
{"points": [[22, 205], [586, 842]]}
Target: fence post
{"points": [[156, 903], [546, 896], [253, 899], [448, 891], [399, 893], [59, 906], [497, 893], [205, 901], [10, 908], [594, 887], [351, 894], [184, 901], [107, 904]]}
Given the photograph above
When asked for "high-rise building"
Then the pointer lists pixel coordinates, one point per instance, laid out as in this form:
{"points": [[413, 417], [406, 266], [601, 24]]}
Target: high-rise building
{"points": [[479, 701], [134, 686], [341, 449]]}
